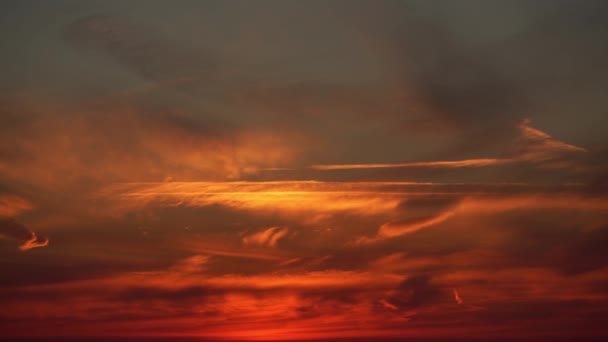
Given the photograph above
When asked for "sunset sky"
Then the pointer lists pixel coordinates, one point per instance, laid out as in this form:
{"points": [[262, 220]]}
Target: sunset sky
{"points": [[304, 170]]}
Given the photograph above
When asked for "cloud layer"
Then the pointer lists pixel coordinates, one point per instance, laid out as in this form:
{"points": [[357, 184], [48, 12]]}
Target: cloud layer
{"points": [[289, 170]]}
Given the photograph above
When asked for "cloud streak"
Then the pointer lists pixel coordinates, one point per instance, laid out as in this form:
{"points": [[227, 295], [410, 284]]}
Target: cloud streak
{"points": [[535, 146], [429, 164], [396, 229]]}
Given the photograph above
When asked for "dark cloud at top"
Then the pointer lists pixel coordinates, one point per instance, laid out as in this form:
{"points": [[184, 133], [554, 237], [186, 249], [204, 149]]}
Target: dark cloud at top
{"points": [[142, 50], [457, 85]]}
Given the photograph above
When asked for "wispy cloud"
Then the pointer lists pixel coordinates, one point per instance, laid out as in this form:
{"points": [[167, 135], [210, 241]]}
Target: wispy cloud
{"points": [[534, 146], [268, 237], [395, 229], [398, 229], [193, 264], [430, 164], [286, 197], [12, 229], [152, 146], [538, 147], [12, 205]]}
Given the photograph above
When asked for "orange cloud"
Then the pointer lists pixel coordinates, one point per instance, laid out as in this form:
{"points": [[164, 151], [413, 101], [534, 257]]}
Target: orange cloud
{"points": [[193, 264], [168, 155], [401, 262], [268, 237], [389, 230], [11, 205], [191, 272], [219, 248], [298, 199], [457, 297], [149, 146], [286, 197], [489, 203], [431, 164], [319, 279], [392, 230], [15, 230], [492, 203], [535, 146], [34, 242], [388, 305]]}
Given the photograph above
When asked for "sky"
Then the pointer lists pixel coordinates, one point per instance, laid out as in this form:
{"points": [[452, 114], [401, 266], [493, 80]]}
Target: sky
{"points": [[304, 170]]}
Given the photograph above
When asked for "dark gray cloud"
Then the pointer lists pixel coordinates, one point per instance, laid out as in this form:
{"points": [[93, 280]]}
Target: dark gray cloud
{"points": [[449, 81], [417, 291], [142, 50], [563, 242], [180, 295]]}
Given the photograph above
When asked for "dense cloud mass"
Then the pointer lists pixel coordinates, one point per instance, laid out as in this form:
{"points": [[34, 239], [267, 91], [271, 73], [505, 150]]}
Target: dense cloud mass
{"points": [[304, 170]]}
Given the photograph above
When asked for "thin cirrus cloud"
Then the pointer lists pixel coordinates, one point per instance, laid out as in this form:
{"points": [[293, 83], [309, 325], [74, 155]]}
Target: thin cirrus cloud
{"points": [[396, 229], [535, 146]]}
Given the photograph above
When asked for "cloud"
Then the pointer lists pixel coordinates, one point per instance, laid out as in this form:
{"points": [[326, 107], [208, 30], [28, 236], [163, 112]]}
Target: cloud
{"points": [[449, 81], [58, 147], [401, 228], [203, 246], [457, 296], [268, 237], [19, 232], [290, 197], [176, 296], [430, 164], [193, 264], [392, 209], [141, 49], [534, 146], [390, 230], [207, 145], [417, 213], [414, 292], [568, 245], [539, 147], [12, 205]]}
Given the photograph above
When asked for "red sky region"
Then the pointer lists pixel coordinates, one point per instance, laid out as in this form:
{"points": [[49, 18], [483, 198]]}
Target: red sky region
{"points": [[287, 170]]}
